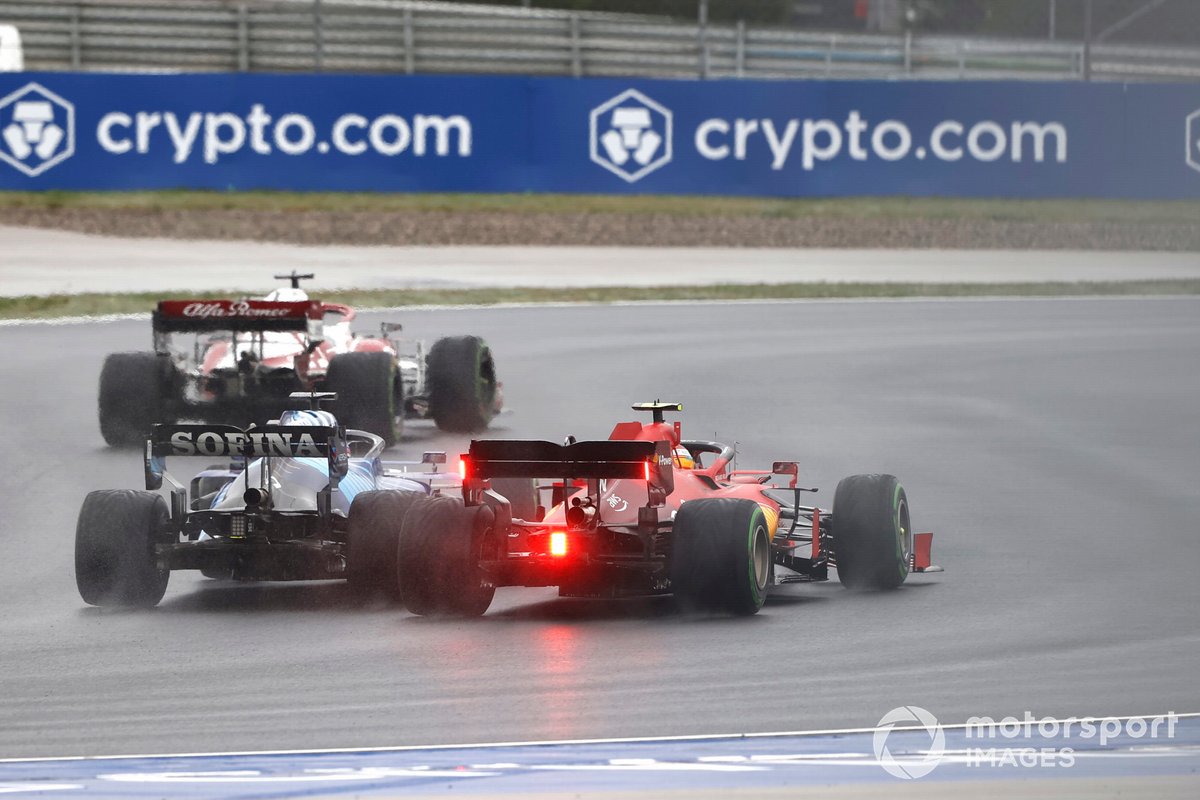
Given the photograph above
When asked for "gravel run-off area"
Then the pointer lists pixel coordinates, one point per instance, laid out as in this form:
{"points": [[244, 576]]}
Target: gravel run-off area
{"points": [[319, 227]]}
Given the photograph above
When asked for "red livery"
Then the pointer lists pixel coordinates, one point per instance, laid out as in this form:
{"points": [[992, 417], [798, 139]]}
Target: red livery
{"points": [[645, 512], [251, 354]]}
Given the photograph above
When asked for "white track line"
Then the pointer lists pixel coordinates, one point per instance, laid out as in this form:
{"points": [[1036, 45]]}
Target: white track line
{"points": [[12, 323], [553, 742]]}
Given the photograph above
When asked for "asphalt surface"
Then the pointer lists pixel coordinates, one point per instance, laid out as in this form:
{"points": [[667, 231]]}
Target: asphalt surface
{"points": [[51, 262], [1051, 445]]}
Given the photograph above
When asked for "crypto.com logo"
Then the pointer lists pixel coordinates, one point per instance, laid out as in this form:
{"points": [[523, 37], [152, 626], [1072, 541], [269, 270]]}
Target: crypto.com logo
{"points": [[630, 135], [37, 128], [917, 765], [1193, 140]]}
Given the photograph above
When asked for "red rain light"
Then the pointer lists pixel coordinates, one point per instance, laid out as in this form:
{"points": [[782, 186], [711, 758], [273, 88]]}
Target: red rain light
{"points": [[462, 468], [646, 470], [558, 543]]}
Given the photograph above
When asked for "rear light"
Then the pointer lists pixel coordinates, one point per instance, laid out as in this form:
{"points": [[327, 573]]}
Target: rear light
{"points": [[237, 526], [462, 468], [558, 543], [646, 470]]}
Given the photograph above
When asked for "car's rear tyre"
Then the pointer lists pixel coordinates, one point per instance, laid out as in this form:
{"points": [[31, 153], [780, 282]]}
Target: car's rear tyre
{"points": [[115, 562], [374, 540], [136, 390], [721, 556], [441, 544], [461, 381], [872, 534], [369, 393], [521, 494]]}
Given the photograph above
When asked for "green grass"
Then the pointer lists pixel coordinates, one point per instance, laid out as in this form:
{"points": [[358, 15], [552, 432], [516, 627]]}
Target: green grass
{"points": [[1051, 211], [62, 305]]}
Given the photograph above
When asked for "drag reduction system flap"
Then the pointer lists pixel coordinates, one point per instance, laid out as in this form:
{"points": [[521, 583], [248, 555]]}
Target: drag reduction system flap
{"points": [[606, 460], [202, 316], [262, 441]]}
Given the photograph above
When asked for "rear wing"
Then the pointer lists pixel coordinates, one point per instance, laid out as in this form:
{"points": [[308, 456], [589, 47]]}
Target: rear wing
{"points": [[598, 460], [204, 316], [262, 441]]}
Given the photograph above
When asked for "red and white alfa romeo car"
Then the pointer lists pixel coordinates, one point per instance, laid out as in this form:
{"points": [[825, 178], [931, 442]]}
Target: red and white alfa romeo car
{"points": [[249, 355]]}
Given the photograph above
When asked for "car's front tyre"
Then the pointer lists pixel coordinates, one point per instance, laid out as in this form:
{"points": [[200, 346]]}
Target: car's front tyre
{"points": [[462, 384], [872, 533]]}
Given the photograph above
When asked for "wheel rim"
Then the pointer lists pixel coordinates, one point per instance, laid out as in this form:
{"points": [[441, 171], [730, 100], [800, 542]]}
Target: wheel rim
{"points": [[904, 529], [760, 557]]}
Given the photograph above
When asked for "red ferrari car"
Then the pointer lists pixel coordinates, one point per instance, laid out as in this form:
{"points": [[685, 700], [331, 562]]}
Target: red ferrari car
{"points": [[644, 512], [250, 355]]}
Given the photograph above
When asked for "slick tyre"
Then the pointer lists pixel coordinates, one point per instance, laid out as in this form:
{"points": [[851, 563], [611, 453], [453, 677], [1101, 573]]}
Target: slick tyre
{"points": [[721, 559], [136, 391], [115, 562], [441, 545], [374, 541], [872, 534], [369, 394], [461, 380]]}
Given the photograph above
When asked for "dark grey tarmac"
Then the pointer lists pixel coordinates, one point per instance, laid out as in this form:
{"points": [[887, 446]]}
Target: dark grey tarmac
{"points": [[1053, 446]]}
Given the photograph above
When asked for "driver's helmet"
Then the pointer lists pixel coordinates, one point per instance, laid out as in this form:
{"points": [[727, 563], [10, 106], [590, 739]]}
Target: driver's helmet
{"points": [[683, 458], [308, 418], [287, 295]]}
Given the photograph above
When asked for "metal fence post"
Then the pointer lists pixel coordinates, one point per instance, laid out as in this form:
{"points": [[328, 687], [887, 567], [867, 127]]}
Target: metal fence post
{"points": [[76, 37], [243, 35], [740, 56], [1053, 18], [1087, 40], [318, 36], [908, 51], [829, 54], [576, 55], [703, 34], [410, 58]]}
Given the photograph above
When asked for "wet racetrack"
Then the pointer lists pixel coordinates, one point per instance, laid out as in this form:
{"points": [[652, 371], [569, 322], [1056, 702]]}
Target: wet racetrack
{"points": [[1051, 445]]}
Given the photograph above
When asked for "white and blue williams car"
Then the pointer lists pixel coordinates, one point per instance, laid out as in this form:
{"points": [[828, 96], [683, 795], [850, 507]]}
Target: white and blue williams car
{"points": [[300, 498]]}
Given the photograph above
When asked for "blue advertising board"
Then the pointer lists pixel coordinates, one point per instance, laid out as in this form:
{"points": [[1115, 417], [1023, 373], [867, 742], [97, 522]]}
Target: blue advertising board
{"points": [[524, 134]]}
